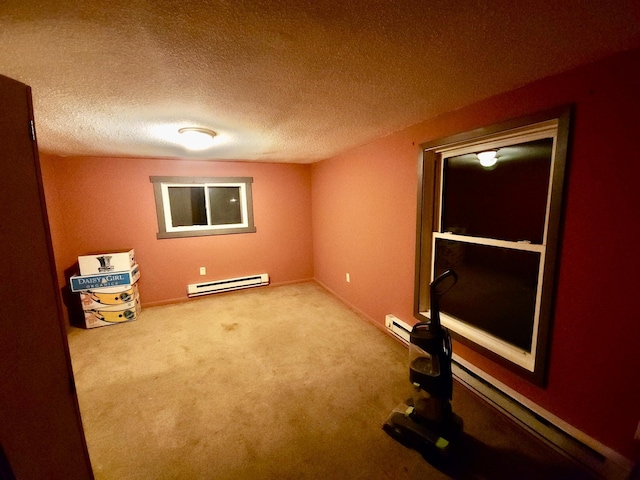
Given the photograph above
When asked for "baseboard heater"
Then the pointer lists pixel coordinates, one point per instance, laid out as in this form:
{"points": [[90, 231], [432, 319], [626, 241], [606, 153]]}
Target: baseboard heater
{"points": [[399, 328], [218, 286], [574, 444]]}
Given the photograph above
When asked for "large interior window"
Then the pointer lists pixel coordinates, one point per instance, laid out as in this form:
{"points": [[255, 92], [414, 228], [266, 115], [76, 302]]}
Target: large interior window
{"points": [[188, 206], [497, 225]]}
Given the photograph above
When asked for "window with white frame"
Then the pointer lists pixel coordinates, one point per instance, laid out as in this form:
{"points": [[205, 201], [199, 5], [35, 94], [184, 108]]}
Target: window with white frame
{"points": [[496, 224], [188, 206]]}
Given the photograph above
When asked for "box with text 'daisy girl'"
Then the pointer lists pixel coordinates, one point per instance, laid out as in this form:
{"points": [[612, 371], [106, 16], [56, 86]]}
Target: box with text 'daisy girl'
{"points": [[81, 283]]}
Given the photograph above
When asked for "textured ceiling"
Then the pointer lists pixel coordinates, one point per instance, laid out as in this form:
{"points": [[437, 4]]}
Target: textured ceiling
{"points": [[283, 80]]}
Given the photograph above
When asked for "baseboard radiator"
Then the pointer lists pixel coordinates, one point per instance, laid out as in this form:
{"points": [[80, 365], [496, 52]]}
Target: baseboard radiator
{"points": [[226, 285], [576, 445], [398, 328]]}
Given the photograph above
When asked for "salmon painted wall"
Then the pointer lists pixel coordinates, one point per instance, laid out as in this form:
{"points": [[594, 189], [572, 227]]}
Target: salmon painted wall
{"points": [[364, 207], [107, 204], [364, 221]]}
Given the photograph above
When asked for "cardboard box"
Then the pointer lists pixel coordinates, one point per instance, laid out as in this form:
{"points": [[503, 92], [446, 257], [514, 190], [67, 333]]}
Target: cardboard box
{"points": [[106, 262], [81, 283], [113, 308], [103, 318], [108, 297]]}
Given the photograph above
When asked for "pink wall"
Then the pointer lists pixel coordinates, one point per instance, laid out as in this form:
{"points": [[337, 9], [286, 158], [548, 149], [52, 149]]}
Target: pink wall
{"points": [[364, 207], [107, 204], [364, 221]]}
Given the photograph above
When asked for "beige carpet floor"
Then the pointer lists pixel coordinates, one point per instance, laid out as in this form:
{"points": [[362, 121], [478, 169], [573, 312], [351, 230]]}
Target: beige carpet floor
{"points": [[271, 383]]}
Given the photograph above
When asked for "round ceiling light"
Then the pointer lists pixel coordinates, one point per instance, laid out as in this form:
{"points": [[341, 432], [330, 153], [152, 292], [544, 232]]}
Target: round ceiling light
{"points": [[488, 158], [197, 138]]}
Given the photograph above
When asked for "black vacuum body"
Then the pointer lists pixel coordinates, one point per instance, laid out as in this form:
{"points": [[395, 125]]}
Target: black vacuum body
{"points": [[426, 420]]}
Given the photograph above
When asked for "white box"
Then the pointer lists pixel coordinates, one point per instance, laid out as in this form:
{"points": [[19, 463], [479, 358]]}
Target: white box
{"points": [[106, 262], [110, 297], [81, 283], [103, 318], [114, 308]]}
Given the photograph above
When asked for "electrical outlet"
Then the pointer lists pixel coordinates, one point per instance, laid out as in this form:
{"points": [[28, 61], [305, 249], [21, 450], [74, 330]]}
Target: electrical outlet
{"points": [[348, 278], [203, 270]]}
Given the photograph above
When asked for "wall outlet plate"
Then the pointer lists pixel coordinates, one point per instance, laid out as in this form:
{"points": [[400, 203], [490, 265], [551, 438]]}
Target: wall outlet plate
{"points": [[203, 270]]}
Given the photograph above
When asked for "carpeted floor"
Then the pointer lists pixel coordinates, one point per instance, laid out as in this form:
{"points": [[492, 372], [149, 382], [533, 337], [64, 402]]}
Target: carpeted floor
{"points": [[271, 383]]}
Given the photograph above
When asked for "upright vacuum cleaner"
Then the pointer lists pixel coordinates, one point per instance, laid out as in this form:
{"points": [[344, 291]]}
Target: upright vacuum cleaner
{"points": [[426, 422]]}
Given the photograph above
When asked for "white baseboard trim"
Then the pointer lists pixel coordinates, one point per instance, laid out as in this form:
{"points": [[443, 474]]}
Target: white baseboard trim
{"points": [[593, 455]]}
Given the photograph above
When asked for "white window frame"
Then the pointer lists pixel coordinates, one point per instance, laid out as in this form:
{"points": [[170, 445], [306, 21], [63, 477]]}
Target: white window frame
{"points": [[554, 123], [163, 207], [523, 358]]}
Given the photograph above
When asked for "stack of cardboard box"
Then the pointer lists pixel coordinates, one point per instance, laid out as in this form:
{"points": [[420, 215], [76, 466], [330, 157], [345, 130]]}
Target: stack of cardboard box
{"points": [[108, 288]]}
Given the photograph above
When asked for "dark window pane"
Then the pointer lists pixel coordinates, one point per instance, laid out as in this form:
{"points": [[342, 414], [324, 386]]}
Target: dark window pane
{"points": [[225, 205], [496, 289], [507, 201], [187, 206]]}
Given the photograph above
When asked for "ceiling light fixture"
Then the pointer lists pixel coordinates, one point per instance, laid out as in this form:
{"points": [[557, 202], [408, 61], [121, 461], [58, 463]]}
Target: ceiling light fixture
{"points": [[488, 158], [195, 138]]}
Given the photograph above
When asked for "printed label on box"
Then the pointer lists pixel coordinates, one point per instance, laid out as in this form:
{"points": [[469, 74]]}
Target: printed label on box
{"points": [[101, 318], [109, 296], [86, 306], [91, 282], [106, 262]]}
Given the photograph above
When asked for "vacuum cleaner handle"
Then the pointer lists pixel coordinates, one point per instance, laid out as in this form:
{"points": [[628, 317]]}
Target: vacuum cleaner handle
{"points": [[437, 289], [448, 348]]}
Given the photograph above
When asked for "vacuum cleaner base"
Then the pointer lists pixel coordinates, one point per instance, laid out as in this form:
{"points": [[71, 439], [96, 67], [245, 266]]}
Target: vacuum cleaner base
{"points": [[422, 435]]}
